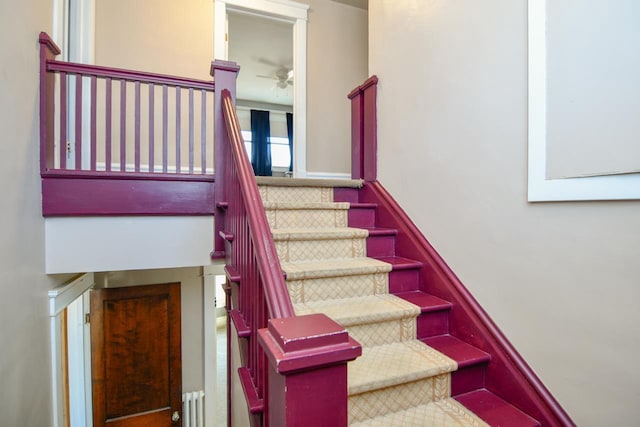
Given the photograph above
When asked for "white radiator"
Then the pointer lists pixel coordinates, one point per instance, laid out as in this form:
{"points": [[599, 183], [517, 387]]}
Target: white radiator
{"points": [[193, 409]]}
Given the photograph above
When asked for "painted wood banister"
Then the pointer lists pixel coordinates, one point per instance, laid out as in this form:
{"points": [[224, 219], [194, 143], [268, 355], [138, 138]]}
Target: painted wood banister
{"points": [[122, 173], [276, 293], [293, 369]]}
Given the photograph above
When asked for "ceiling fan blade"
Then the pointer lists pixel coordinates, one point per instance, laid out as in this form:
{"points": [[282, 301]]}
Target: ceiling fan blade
{"points": [[269, 62], [266, 77]]}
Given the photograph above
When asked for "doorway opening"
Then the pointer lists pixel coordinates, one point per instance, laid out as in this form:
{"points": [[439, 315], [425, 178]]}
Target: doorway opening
{"points": [[295, 15]]}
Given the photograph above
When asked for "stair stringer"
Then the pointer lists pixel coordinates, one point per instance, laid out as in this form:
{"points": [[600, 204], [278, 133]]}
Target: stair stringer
{"points": [[508, 375]]}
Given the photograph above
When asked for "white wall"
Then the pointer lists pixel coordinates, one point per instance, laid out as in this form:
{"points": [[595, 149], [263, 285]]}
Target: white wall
{"points": [[81, 244], [560, 279], [25, 397]]}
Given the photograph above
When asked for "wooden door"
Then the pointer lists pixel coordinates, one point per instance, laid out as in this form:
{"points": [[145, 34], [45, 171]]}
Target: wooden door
{"points": [[136, 362]]}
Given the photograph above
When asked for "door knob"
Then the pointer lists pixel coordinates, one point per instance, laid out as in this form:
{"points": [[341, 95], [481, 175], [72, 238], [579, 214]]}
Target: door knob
{"points": [[175, 417]]}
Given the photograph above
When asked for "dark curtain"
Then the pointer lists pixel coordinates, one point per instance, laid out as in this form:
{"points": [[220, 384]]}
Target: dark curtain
{"points": [[290, 135], [261, 151]]}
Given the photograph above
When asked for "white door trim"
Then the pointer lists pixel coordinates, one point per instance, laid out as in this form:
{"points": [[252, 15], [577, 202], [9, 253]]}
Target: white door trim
{"points": [[59, 299], [612, 187], [293, 12]]}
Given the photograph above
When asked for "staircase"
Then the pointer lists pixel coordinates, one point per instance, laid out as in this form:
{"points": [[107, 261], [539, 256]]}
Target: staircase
{"points": [[412, 372]]}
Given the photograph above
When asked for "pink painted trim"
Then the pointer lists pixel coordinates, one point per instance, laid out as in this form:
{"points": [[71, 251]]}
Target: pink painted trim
{"points": [[165, 128], [191, 130], [152, 127], [203, 134], [232, 274], [469, 321], [94, 130], [78, 135], [364, 145], [136, 128], [63, 121], [123, 125], [221, 65], [254, 402], [127, 75], [318, 342], [275, 289], [224, 74], [108, 118], [47, 42], [126, 176], [306, 332], [178, 129], [357, 133], [48, 51], [90, 194], [243, 330]]}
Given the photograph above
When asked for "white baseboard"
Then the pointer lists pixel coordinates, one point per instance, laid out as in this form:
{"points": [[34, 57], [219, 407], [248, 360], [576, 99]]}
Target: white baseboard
{"points": [[328, 175]]}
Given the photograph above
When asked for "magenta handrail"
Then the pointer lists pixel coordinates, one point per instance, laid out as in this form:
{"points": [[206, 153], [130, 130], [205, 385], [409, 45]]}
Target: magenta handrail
{"points": [[128, 75], [116, 111], [251, 257], [268, 264]]}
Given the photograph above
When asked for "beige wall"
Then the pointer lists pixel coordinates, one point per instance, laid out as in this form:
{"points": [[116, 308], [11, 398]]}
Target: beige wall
{"points": [[25, 397], [560, 279], [191, 293], [159, 36], [162, 36], [337, 63], [177, 38]]}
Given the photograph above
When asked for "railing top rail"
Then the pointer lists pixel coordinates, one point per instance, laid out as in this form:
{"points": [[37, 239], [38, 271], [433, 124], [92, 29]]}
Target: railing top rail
{"points": [[275, 288], [128, 75]]}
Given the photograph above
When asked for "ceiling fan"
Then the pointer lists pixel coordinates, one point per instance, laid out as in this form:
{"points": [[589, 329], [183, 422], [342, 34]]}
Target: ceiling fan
{"points": [[282, 76]]}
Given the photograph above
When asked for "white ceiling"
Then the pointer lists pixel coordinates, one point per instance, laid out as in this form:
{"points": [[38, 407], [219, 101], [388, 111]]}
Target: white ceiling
{"points": [[362, 4], [261, 46]]}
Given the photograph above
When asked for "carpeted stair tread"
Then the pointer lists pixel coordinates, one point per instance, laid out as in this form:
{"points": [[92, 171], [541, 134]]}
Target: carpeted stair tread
{"points": [[308, 182], [464, 354], [313, 215], [443, 413], [292, 234], [298, 270], [306, 205], [361, 310], [495, 411], [397, 363], [426, 302]]}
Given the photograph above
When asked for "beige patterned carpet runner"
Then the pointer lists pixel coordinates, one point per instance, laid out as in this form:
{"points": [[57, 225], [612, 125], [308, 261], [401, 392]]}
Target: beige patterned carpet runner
{"points": [[398, 380]]}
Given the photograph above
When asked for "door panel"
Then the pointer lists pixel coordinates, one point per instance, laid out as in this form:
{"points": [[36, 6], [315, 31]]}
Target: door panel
{"points": [[136, 355]]}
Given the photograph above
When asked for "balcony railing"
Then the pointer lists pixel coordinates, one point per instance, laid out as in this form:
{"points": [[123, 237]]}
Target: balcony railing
{"points": [[120, 142]]}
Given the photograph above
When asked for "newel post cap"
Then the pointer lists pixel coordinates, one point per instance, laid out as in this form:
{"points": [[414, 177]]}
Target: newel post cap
{"points": [[307, 342]]}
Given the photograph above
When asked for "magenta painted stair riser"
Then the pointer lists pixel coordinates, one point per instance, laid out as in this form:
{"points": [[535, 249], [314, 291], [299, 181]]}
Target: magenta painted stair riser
{"points": [[361, 217], [403, 280]]}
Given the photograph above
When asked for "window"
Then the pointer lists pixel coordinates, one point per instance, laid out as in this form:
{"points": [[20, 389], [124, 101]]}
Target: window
{"points": [[280, 155]]}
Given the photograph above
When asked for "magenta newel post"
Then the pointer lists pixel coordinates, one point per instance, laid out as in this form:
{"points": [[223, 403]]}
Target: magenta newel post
{"points": [[48, 51], [364, 142], [307, 371], [224, 77]]}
